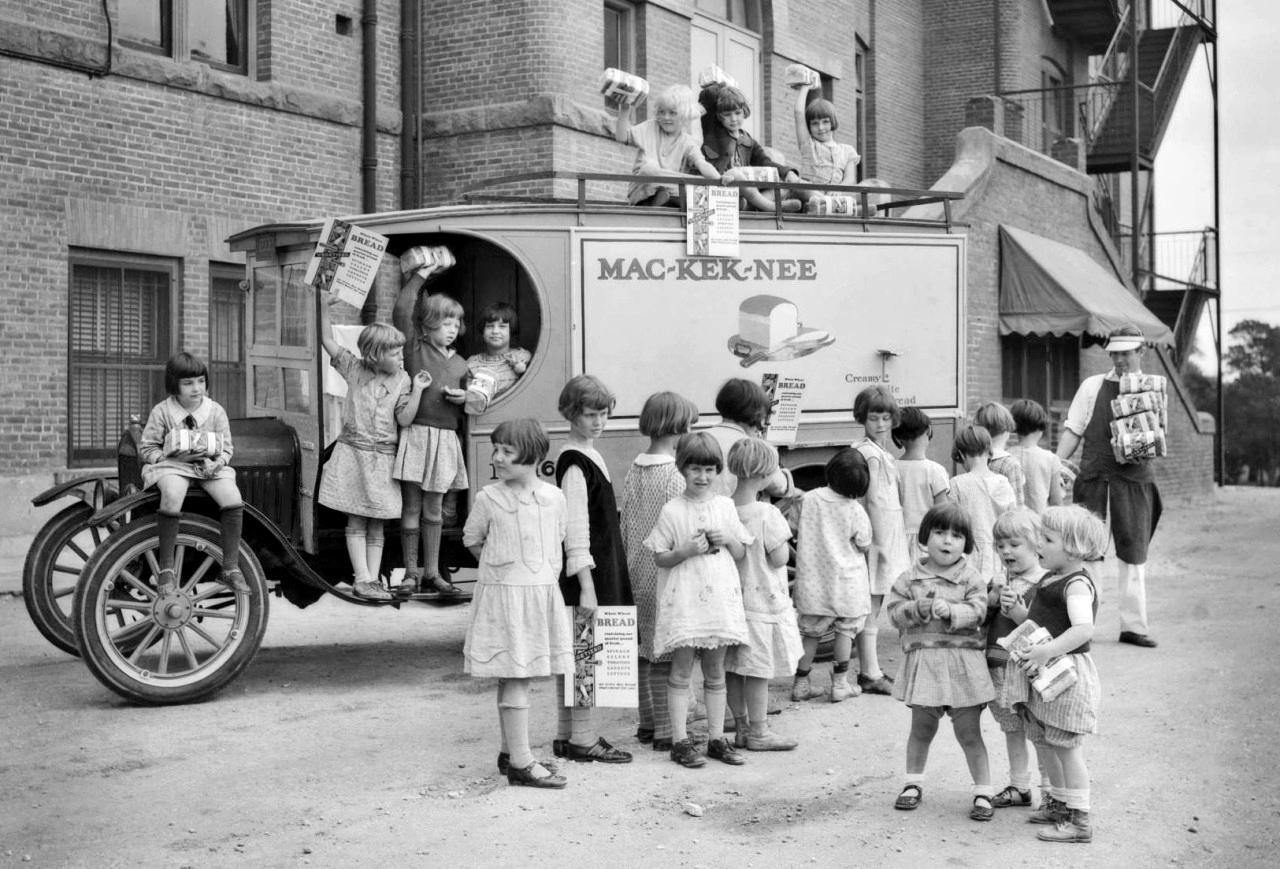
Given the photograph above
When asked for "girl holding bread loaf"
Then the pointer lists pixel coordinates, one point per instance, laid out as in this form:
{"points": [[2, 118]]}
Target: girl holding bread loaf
{"points": [[187, 437], [357, 478], [665, 145], [823, 160]]}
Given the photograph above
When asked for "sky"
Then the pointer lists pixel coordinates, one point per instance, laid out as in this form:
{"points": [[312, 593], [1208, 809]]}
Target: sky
{"points": [[1249, 164]]}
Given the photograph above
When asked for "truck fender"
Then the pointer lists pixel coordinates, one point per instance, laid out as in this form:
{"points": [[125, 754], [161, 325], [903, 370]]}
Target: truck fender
{"points": [[96, 490]]}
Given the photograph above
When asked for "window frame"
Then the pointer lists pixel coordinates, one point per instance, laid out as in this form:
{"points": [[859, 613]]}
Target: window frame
{"points": [[861, 54], [167, 331], [223, 273], [626, 47], [176, 42], [1060, 373]]}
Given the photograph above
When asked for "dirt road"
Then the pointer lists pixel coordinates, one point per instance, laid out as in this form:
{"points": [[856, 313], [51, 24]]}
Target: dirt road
{"points": [[355, 740]]}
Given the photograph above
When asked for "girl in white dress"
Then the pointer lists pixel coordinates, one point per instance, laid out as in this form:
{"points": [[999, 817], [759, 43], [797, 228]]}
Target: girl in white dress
{"points": [[695, 544], [664, 145], [877, 411], [775, 647], [520, 629]]}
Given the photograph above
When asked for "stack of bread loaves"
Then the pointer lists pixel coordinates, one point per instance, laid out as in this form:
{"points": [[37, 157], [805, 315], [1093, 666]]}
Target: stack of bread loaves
{"points": [[624, 87], [1140, 415]]}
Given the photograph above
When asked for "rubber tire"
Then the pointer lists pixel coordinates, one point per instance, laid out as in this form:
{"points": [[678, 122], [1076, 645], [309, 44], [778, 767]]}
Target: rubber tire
{"points": [[39, 589], [198, 542]]}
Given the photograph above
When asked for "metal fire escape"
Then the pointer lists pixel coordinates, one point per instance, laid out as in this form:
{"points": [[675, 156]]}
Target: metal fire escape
{"points": [[1143, 53]]}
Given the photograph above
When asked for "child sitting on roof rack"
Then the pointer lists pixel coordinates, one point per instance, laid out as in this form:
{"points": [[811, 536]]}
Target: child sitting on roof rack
{"points": [[727, 146], [822, 159], [665, 145]]}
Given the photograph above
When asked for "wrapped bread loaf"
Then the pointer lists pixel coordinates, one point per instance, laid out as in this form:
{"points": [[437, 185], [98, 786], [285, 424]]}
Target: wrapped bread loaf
{"points": [[1139, 423], [480, 391], [1127, 404], [185, 441], [623, 86], [1138, 446], [845, 206], [715, 75], [797, 75], [1131, 383], [436, 258], [752, 173]]}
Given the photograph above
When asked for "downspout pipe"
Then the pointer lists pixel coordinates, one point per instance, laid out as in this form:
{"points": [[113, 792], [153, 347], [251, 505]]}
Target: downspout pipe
{"points": [[369, 141], [410, 101], [369, 130]]}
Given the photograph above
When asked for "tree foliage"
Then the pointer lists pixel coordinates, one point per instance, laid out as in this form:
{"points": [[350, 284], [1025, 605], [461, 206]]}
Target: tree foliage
{"points": [[1252, 398]]}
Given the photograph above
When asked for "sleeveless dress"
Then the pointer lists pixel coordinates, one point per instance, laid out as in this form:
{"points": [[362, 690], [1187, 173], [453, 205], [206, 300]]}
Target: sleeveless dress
{"points": [[888, 558], [612, 582]]}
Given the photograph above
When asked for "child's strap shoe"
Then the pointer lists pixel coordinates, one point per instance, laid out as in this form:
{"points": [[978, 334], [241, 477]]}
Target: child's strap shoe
{"points": [[1011, 797], [982, 809], [370, 590], [910, 798]]}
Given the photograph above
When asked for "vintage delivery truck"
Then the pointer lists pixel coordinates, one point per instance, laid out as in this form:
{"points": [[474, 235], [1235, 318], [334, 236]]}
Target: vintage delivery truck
{"points": [[828, 304]]}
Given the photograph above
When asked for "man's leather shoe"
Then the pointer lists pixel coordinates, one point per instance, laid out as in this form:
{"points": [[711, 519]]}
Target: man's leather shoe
{"points": [[1136, 639]]}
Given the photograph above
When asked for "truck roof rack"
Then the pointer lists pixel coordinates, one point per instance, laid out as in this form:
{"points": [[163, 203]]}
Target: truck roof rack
{"points": [[900, 198]]}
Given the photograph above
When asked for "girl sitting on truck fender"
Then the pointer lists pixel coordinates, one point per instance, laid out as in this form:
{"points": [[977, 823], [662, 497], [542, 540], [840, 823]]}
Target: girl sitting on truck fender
{"points": [[429, 461], [357, 478], [171, 471], [665, 145]]}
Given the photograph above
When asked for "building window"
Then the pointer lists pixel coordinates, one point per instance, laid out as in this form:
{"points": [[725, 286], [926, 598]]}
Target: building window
{"points": [[226, 337], [744, 13], [1043, 368], [727, 34], [122, 318], [1055, 120], [619, 35], [860, 105], [216, 32]]}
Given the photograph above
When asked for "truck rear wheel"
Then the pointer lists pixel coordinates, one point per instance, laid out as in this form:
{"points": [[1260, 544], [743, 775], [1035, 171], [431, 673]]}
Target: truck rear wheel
{"points": [[163, 649], [57, 555]]}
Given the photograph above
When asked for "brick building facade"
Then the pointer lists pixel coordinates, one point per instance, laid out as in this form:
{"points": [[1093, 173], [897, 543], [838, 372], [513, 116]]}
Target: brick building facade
{"points": [[145, 165]]}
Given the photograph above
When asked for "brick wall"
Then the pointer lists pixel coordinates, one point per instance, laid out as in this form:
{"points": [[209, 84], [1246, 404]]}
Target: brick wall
{"points": [[165, 159], [896, 117]]}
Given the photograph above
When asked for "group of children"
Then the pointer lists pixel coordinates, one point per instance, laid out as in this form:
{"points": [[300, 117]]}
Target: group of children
{"points": [[702, 552], [670, 144]]}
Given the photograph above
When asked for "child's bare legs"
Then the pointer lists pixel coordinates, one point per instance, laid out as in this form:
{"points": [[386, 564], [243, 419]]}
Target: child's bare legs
{"points": [[872, 679], [752, 715], [841, 653], [801, 688], [764, 202], [1072, 822], [1019, 760], [967, 724], [924, 727]]}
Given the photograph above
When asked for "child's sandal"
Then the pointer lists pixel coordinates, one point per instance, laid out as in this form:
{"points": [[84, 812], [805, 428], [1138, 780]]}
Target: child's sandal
{"points": [[910, 798], [982, 811], [442, 585]]}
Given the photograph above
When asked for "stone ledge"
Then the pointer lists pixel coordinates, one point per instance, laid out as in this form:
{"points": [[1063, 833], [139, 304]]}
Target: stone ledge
{"points": [[66, 49], [539, 110]]}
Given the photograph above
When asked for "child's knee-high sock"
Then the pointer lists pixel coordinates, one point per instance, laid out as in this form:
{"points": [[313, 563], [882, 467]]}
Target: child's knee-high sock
{"points": [[356, 551], [409, 547], [503, 745], [232, 521], [513, 709], [167, 528], [736, 697], [678, 707], [714, 694], [757, 691], [374, 542], [564, 717], [868, 656], [431, 530], [658, 675], [645, 706]]}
